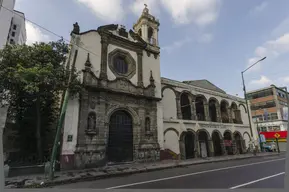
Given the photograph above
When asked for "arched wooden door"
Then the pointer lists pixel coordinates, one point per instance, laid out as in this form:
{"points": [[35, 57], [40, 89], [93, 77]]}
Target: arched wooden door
{"points": [[120, 139]]}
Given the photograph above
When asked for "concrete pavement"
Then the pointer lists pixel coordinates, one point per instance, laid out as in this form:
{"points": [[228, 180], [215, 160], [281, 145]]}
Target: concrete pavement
{"points": [[262, 172]]}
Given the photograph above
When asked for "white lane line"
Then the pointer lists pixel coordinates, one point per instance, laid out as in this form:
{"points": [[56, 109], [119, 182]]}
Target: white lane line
{"points": [[190, 174], [258, 180]]}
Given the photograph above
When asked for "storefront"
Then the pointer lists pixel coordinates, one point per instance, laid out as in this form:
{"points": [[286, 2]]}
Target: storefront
{"points": [[270, 137]]}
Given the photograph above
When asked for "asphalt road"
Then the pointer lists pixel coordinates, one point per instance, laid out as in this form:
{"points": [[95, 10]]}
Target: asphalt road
{"points": [[262, 172]]}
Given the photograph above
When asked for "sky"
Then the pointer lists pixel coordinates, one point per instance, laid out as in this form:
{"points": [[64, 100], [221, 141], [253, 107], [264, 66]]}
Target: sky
{"points": [[199, 39]]}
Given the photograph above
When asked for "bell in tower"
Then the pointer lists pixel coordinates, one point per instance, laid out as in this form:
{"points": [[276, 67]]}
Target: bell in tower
{"points": [[147, 27]]}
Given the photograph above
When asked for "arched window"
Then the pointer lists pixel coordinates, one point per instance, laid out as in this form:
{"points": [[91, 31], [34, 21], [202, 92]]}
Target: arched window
{"points": [[147, 124], [91, 121]]}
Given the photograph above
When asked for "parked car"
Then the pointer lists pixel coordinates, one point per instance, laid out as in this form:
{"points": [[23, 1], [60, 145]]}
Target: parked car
{"points": [[270, 147]]}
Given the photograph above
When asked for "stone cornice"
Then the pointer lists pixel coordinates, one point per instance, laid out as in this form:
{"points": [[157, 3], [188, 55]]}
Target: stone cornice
{"points": [[176, 84]]}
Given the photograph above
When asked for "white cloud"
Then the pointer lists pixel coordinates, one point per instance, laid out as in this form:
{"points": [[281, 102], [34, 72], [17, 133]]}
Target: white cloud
{"points": [[272, 49], [200, 12], [34, 34], [206, 38], [177, 44], [260, 7], [106, 10], [282, 28], [263, 81], [284, 80], [138, 5]]}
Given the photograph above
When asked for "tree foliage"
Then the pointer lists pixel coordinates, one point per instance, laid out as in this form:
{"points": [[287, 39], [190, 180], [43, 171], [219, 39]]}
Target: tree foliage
{"points": [[32, 79]]}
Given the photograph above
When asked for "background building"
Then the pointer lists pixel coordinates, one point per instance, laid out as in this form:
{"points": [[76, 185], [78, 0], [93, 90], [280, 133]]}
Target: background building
{"points": [[269, 108], [17, 32], [12, 24], [270, 113]]}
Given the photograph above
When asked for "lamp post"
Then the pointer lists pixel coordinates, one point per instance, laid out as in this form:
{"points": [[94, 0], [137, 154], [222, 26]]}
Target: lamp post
{"points": [[245, 94]]}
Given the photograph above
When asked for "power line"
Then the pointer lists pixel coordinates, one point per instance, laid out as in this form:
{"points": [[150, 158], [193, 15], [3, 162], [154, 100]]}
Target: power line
{"points": [[57, 35]]}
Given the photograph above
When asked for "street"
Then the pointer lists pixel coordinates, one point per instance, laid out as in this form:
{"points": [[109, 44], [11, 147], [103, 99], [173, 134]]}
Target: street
{"points": [[262, 172]]}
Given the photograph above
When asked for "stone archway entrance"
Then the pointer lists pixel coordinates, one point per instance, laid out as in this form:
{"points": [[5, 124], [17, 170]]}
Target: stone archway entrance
{"points": [[216, 138], [228, 141], [190, 145], [203, 144], [238, 139], [120, 139]]}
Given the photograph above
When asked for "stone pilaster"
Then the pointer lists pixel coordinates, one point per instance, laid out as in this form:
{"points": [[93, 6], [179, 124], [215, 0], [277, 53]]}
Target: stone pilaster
{"points": [[207, 114], [193, 108], [223, 148], [179, 110], [219, 116], [211, 148], [198, 150], [182, 150], [140, 69], [104, 51], [230, 115]]}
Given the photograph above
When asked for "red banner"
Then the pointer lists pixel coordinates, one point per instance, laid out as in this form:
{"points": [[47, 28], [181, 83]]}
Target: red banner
{"points": [[270, 135], [228, 143]]}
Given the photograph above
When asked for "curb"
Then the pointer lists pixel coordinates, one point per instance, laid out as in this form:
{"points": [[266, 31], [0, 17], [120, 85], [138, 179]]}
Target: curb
{"points": [[131, 172]]}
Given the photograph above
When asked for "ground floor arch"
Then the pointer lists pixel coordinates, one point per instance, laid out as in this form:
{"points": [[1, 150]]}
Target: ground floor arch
{"points": [[187, 145], [203, 141], [247, 140], [228, 141], [239, 142], [120, 138], [217, 142]]}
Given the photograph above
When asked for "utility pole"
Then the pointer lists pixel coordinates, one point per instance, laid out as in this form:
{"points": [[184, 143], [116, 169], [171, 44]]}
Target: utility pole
{"points": [[57, 137], [245, 93]]}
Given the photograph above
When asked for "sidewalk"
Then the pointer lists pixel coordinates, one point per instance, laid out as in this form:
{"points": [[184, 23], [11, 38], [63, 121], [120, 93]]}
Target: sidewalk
{"points": [[65, 177]]}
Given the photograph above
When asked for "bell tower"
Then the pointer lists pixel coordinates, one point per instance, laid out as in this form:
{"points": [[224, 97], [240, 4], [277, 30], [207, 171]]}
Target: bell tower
{"points": [[147, 27]]}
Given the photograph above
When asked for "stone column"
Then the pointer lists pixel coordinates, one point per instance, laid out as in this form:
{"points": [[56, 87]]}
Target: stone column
{"points": [[198, 151], [139, 69], [234, 147], [182, 150], [104, 50], [193, 108], [230, 115], [211, 148], [207, 114], [223, 147], [219, 116], [179, 110]]}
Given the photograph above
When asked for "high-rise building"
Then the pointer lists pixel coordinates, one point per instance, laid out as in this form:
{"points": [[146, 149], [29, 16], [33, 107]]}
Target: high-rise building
{"points": [[12, 24], [17, 32]]}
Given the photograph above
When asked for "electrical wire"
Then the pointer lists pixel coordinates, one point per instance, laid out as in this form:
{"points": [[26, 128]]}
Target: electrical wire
{"points": [[44, 28]]}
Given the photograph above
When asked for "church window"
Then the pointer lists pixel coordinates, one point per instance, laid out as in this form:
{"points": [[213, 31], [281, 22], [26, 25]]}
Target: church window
{"points": [[120, 65]]}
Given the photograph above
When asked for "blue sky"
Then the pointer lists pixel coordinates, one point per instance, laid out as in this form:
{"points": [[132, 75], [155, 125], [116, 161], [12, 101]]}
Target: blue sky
{"points": [[200, 39]]}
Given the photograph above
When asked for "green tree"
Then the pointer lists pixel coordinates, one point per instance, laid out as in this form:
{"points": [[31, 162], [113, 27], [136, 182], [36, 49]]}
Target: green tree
{"points": [[32, 79]]}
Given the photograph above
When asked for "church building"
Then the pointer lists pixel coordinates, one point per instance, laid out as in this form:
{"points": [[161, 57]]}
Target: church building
{"points": [[126, 112]]}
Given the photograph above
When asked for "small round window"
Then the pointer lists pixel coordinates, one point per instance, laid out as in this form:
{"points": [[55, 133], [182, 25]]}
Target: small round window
{"points": [[120, 65]]}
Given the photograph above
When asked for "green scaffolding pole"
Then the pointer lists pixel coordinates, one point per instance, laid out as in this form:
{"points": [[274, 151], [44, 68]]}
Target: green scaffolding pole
{"points": [[57, 137]]}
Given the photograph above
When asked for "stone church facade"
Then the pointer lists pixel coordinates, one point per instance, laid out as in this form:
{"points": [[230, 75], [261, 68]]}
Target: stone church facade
{"points": [[126, 112]]}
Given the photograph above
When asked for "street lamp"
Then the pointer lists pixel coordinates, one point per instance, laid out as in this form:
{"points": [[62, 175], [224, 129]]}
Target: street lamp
{"points": [[245, 94]]}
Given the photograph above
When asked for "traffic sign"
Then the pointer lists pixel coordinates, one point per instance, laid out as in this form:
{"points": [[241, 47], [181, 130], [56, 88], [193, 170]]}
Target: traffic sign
{"points": [[276, 135]]}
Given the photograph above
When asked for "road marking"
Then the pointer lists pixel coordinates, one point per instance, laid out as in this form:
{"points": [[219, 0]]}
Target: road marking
{"points": [[190, 174], [258, 180]]}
